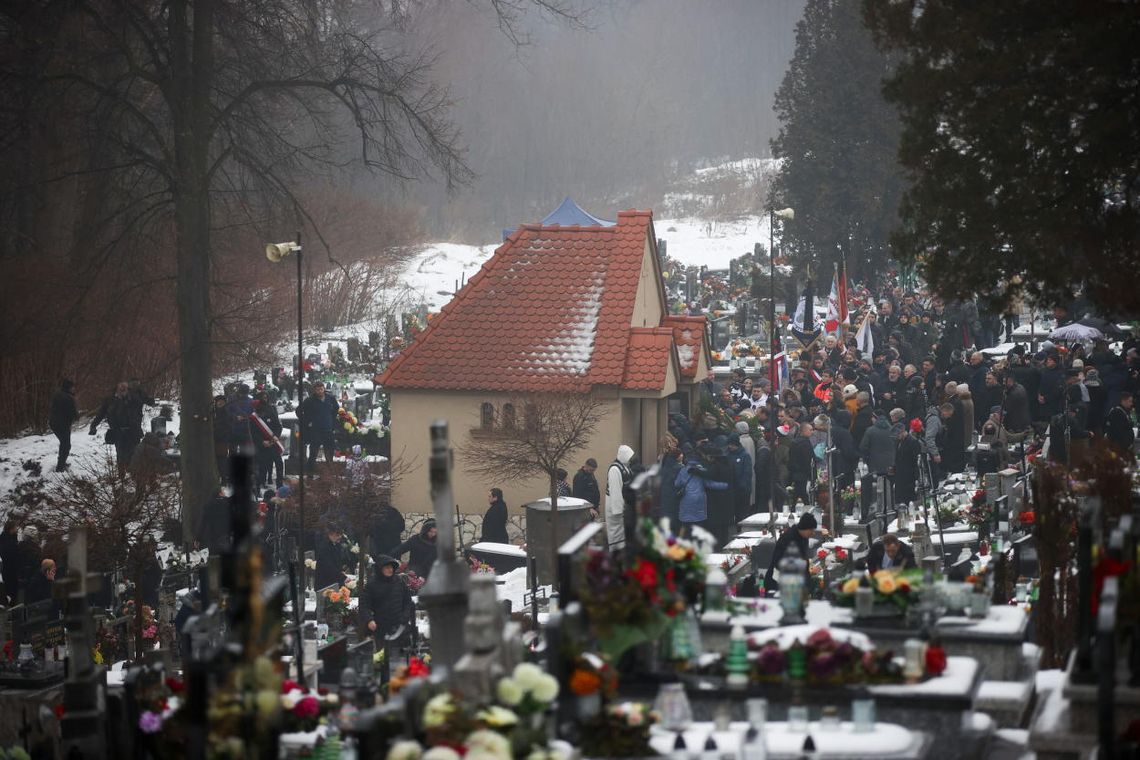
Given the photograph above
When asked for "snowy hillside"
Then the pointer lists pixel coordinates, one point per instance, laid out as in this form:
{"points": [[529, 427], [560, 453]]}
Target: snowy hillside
{"points": [[432, 275]]}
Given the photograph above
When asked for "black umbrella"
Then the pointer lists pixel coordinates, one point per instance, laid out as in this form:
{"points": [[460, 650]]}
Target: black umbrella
{"points": [[1106, 327]]}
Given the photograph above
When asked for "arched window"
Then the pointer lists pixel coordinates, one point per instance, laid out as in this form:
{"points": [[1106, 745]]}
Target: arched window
{"points": [[509, 416], [486, 415]]}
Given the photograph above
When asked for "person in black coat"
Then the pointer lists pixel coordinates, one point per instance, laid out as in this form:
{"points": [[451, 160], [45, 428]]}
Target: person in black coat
{"points": [[63, 415], [213, 531], [800, 462], [670, 501], [387, 602], [123, 413], [953, 439], [420, 548], [743, 481], [906, 466], [863, 418], [317, 416], [797, 536], [268, 456], [10, 560], [721, 507], [889, 553], [586, 484], [41, 583], [763, 466], [495, 518], [846, 456], [332, 555], [1117, 428], [387, 530]]}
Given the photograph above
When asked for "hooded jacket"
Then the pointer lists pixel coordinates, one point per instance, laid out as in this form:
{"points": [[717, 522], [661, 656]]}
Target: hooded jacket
{"points": [[387, 600], [693, 507], [617, 477], [421, 552]]}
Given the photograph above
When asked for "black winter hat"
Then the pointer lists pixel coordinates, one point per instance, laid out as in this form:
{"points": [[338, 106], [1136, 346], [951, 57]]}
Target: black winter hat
{"points": [[384, 559], [807, 522]]}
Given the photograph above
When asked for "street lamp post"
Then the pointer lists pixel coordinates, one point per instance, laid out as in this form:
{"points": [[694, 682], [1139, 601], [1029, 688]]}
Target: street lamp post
{"points": [[275, 252], [773, 347]]}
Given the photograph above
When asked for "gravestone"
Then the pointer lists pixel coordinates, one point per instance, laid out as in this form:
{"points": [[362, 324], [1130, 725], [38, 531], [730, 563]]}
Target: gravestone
{"points": [[354, 349]]}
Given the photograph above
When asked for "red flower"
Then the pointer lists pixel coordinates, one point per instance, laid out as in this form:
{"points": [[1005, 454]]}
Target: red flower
{"points": [[671, 579], [308, 707], [417, 668], [916, 425], [646, 574], [59, 711], [822, 554], [175, 685], [288, 686], [322, 691], [840, 554], [1027, 518]]}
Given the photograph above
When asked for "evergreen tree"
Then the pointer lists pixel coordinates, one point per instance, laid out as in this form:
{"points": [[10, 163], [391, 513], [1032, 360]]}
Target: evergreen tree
{"points": [[838, 141], [1019, 129]]}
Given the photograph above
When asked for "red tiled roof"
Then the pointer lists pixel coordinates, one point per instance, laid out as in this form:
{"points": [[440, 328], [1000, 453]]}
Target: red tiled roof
{"points": [[647, 361], [550, 311], [689, 336]]}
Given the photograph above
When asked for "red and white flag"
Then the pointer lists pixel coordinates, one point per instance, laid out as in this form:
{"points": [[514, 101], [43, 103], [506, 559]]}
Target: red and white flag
{"points": [[266, 433], [837, 301]]}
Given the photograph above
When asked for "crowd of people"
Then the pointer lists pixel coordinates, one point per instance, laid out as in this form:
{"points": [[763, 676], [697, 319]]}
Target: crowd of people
{"points": [[908, 411]]}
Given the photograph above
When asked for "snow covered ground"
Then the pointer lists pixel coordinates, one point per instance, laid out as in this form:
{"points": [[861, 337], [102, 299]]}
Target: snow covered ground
{"points": [[431, 275]]}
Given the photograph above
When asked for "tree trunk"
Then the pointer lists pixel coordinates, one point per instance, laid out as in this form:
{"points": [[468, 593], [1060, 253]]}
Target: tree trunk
{"points": [[190, 87]]}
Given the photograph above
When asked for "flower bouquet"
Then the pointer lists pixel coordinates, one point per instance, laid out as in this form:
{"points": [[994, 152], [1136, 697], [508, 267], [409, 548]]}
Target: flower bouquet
{"points": [[980, 513], [479, 566], [633, 604], [336, 605], [893, 591], [823, 660]]}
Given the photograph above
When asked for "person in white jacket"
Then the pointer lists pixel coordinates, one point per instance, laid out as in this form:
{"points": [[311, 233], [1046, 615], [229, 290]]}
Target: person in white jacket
{"points": [[617, 476]]}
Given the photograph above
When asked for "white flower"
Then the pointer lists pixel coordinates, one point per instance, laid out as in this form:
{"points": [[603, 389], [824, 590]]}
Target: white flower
{"points": [[488, 743], [311, 564], [288, 701], [332, 699], [350, 585], [527, 675], [509, 692], [355, 549], [441, 753], [498, 717], [405, 750], [438, 709], [546, 689]]}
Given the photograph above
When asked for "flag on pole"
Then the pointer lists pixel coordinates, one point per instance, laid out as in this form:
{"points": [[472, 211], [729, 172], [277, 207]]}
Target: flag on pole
{"points": [[864, 339], [780, 362], [266, 432], [803, 321], [831, 326], [843, 315]]}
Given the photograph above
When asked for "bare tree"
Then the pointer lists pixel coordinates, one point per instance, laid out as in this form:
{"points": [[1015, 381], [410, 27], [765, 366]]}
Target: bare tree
{"points": [[208, 110], [553, 427], [124, 517]]}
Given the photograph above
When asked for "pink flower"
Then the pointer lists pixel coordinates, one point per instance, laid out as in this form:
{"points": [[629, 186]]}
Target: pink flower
{"points": [[308, 707], [150, 722]]}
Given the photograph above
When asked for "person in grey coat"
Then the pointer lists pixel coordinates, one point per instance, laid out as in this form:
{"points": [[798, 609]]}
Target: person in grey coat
{"points": [[878, 446]]}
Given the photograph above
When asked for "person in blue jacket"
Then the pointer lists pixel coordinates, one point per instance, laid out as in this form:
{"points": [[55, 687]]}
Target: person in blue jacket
{"points": [[691, 486], [742, 467]]}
